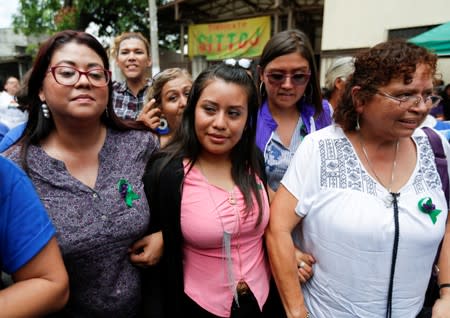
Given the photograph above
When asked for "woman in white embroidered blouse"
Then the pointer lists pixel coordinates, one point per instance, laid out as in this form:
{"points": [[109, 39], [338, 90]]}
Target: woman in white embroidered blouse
{"points": [[367, 206]]}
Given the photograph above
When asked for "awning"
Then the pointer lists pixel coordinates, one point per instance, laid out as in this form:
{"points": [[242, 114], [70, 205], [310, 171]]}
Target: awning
{"points": [[436, 40]]}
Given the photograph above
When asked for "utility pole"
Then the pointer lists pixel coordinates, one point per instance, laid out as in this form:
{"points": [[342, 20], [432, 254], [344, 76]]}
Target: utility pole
{"points": [[153, 14]]}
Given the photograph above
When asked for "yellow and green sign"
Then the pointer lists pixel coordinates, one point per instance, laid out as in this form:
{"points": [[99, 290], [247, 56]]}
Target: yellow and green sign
{"points": [[218, 41]]}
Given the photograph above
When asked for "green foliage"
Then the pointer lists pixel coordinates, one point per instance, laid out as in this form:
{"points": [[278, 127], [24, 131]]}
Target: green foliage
{"points": [[32, 49], [37, 17]]}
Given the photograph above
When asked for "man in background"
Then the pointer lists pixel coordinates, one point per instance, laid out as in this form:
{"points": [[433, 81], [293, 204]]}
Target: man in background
{"points": [[10, 114], [8, 96]]}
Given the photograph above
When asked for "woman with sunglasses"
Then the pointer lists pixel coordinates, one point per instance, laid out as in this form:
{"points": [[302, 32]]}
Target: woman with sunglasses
{"points": [[292, 105], [369, 204], [87, 166]]}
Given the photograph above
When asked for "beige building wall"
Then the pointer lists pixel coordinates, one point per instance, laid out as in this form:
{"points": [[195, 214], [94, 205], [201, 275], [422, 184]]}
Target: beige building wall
{"points": [[349, 25]]}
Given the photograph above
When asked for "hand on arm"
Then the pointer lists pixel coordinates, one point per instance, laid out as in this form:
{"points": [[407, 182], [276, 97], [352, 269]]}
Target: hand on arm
{"points": [[149, 115], [282, 255], [305, 262], [148, 250], [41, 286]]}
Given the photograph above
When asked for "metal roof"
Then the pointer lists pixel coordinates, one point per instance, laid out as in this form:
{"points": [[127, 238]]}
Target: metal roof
{"points": [[185, 12]]}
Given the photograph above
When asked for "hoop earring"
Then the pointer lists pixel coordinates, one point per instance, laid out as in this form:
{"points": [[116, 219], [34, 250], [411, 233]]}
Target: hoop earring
{"points": [[45, 110], [163, 128], [262, 88], [357, 127]]}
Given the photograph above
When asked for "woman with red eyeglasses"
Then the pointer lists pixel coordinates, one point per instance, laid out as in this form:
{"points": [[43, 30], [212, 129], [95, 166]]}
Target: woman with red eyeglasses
{"points": [[87, 166], [292, 105]]}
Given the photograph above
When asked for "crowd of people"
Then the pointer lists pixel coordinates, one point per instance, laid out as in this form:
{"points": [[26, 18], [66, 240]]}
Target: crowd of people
{"points": [[243, 192]]}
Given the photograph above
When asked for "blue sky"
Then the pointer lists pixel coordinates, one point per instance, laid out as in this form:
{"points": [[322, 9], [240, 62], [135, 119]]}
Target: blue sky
{"points": [[7, 9]]}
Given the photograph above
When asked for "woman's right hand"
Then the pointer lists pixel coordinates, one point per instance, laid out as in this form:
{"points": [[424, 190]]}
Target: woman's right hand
{"points": [[148, 250], [305, 263], [150, 115]]}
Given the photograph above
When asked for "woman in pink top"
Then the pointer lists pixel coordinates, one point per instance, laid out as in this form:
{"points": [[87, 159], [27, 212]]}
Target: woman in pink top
{"points": [[208, 197]]}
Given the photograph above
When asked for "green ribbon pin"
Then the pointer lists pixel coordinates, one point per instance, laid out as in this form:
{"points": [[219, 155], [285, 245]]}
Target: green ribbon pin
{"points": [[426, 206], [126, 192]]}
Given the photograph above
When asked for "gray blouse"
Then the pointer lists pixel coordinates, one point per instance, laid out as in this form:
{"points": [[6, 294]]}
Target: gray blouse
{"points": [[95, 227]]}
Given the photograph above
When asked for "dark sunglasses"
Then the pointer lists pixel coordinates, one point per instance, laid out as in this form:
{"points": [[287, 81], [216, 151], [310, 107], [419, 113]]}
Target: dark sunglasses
{"points": [[297, 79]]}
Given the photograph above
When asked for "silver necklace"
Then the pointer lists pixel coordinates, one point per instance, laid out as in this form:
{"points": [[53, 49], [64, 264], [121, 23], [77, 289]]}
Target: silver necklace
{"points": [[227, 235], [394, 163]]}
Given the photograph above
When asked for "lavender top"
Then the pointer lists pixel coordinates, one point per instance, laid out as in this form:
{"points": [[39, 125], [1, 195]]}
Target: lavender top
{"points": [[94, 226]]}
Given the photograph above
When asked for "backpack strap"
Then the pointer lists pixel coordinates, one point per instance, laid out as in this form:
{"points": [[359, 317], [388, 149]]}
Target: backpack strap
{"points": [[432, 292], [440, 159]]}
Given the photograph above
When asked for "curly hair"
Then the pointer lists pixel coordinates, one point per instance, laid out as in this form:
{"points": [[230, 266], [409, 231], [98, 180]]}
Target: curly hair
{"points": [[376, 67]]}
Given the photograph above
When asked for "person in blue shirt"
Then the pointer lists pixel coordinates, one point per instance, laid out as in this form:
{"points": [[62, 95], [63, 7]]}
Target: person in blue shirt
{"points": [[11, 136], [28, 249], [3, 131]]}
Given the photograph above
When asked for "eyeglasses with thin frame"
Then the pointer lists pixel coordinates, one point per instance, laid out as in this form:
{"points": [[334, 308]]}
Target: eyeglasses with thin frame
{"points": [[278, 78], [69, 76], [244, 63], [408, 101]]}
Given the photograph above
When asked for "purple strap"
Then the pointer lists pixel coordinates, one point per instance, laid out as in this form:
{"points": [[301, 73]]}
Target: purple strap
{"points": [[440, 159], [441, 165]]}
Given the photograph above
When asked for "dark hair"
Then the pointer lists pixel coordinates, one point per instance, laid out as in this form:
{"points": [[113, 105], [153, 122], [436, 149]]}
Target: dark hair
{"points": [[444, 92], [22, 94], [39, 127], [294, 41], [376, 67], [446, 102], [244, 156], [10, 77]]}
